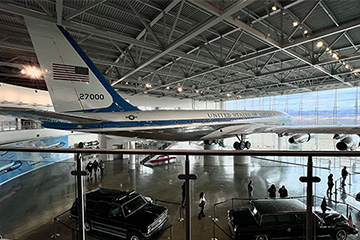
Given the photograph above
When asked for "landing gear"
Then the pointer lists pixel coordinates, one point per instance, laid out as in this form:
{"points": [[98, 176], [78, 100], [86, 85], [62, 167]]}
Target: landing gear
{"points": [[211, 142], [241, 145]]}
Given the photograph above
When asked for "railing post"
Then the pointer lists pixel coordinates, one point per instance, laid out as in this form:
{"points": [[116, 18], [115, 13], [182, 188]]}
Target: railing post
{"points": [[336, 191], [214, 219], [81, 215], [309, 218], [188, 203]]}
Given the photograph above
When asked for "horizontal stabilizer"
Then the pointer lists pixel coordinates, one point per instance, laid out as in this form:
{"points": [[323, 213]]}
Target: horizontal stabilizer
{"points": [[47, 116]]}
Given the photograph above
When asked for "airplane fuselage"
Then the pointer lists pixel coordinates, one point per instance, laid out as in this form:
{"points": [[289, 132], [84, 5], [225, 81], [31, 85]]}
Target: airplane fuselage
{"points": [[171, 125]]}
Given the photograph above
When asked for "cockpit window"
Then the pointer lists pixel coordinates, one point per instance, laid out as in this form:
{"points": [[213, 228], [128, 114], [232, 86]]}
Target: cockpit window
{"points": [[133, 205]]}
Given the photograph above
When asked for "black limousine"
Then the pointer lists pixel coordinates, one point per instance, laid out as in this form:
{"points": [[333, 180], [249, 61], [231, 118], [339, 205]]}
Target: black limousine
{"points": [[122, 214], [285, 218]]}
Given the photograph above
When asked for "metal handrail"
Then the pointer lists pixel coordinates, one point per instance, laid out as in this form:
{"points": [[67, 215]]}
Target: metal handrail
{"points": [[186, 152]]}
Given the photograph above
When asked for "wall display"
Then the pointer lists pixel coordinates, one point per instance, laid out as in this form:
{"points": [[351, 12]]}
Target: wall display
{"points": [[15, 164]]}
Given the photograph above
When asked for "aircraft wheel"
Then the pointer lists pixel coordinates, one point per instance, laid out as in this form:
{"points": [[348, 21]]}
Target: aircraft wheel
{"points": [[236, 145], [207, 142], [248, 144], [242, 145]]}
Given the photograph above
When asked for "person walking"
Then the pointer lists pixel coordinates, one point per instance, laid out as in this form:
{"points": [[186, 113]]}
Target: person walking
{"points": [[330, 184], [183, 193], [251, 189], [344, 174], [102, 166], [89, 168], [272, 191], [95, 166], [283, 192], [202, 203]]}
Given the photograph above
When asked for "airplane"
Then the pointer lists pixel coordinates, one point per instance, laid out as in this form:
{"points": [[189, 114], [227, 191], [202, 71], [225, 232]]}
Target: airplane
{"points": [[85, 102]]}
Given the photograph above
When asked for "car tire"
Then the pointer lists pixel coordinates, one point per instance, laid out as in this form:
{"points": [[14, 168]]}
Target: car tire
{"points": [[340, 234], [134, 236], [261, 237], [87, 226]]}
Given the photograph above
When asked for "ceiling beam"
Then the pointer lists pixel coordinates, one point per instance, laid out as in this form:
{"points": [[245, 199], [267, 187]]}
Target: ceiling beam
{"points": [[83, 9], [208, 23]]}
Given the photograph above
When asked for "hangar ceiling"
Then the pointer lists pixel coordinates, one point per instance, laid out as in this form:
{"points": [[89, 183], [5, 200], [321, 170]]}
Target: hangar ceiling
{"points": [[213, 50]]}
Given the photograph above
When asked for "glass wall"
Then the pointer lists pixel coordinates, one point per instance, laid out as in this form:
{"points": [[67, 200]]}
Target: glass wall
{"points": [[326, 107], [331, 107]]}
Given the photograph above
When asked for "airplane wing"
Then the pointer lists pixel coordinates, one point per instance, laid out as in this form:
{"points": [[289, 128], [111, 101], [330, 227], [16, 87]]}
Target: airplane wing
{"points": [[322, 129], [281, 130], [46, 116]]}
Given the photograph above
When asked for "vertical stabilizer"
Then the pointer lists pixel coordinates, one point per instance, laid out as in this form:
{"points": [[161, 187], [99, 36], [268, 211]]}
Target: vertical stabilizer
{"points": [[73, 81]]}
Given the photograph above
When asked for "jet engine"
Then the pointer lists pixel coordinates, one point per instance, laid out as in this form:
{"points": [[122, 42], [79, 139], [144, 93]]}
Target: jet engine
{"points": [[348, 143], [300, 138]]}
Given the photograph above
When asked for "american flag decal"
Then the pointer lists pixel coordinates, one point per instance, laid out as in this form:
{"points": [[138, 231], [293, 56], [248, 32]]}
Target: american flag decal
{"points": [[65, 72]]}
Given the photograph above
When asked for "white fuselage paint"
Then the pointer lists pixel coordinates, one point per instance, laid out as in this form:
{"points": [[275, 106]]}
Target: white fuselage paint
{"points": [[178, 125]]}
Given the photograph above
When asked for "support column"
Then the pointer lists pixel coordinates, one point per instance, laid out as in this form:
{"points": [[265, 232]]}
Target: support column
{"points": [[132, 156], [103, 144], [18, 123], [241, 160], [211, 160], [280, 145]]}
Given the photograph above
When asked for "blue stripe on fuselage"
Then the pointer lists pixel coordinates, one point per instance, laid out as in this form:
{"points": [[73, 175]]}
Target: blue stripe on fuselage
{"points": [[123, 124]]}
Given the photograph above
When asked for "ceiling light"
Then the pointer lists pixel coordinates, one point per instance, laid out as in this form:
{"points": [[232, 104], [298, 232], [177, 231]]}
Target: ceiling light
{"points": [[334, 55], [347, 66], [306, 31], [274, 8], [179, 89], [197, 91], [295, 23], [148, 85], [31, 71], [167, 88], [228, 95], [319, 44]]}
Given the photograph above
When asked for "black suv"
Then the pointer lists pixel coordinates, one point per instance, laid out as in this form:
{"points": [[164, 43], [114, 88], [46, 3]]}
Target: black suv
{"points": [[122, 214], [285, 218]]}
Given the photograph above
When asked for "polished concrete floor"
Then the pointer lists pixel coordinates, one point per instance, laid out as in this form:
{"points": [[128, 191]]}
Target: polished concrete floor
{"points": [[29, 203]]}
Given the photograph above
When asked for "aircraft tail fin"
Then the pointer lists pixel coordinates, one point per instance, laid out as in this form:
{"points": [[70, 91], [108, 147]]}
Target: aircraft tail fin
{"points": [[73, 81]]}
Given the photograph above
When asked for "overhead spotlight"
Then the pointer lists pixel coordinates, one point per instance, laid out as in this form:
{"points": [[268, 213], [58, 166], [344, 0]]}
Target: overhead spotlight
{"points": [[274, 8], [319, 44], [31, 71], [228, 95], [347, 66], [179, 89], [127, 83], [197, 91], [148, 85], [167, 88], [306, 31], [295, 23], [335, 55]]}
